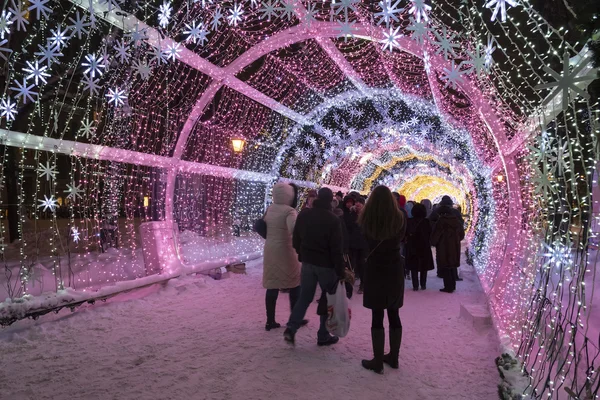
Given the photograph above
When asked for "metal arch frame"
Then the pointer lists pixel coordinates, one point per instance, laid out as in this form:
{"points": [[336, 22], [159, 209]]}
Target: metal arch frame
{"points": [[317, 29]]}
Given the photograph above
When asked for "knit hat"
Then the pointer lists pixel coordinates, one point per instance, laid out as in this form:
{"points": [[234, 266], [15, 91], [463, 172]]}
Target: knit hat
{"points": [[340, 194], [446, 201], [325, 194]]}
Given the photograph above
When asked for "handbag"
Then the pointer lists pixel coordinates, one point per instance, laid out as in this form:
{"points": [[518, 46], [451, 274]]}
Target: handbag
{"points": [[349, 275], [260, 226]]}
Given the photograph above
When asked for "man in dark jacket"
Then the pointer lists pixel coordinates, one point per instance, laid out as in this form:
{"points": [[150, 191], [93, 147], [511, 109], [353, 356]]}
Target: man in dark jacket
{"points": [[447, 234], [318, 241], [446, 207]]}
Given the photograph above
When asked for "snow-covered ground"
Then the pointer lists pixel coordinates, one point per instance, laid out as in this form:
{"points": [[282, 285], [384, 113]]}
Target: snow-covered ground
{"points": [[196, 338]]}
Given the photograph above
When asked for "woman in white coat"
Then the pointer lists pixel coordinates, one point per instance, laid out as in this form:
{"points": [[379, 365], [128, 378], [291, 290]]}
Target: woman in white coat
{"points": [[281, 267]]}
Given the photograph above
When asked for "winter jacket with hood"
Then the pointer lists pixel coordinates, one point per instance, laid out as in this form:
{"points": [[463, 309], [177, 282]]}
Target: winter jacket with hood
{"points": [[447, 234], [281, 266], [318, 237]]}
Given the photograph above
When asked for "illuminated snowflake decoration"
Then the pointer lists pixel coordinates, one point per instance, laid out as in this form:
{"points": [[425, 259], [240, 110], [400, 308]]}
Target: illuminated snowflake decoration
{"points": [[235, 14], [5, 23], [79, 26], [137, 35], [20, 16], [445, 44], [48, 203], [345, 30], [94, 65], [49, 54], [121, 48], [269, 9], [116, 96], [489, 51], [288, 9], [37, 72], [217, 17], [500, 6], [4, 49], [8, 109], [164, 14], [91, 85], [40, 8], [196, 32], [59, 37], [142, 68], [388, 12], [420, 10], [311, 15], [391, 39], [75, 234], [453, 76], [566, 82], [24, 91], [557, 255], [419, 31], [172, 51], [345, 6], [87, 128], [74, 191], [48, 171]]}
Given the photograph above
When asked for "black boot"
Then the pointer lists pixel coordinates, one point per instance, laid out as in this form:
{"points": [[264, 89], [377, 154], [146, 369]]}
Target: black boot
{"points": [[271, 304], [378, 339], [391, 358]]}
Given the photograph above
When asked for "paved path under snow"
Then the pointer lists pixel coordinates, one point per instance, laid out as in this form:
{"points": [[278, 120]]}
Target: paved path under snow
{"points": [[196, 339]]}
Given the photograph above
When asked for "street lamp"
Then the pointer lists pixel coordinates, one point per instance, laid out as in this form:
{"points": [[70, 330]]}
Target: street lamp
{"points": [[238, 145]]}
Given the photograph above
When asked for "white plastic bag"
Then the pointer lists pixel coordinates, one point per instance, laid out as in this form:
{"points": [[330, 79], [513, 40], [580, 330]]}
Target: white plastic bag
{"points": [[338, 312]]}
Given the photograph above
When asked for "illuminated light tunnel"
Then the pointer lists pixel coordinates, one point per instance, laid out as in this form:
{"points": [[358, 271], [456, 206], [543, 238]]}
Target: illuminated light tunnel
{"points": [[119, 121]]}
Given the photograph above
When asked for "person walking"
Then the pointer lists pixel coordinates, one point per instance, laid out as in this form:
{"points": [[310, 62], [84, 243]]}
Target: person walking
{"points": [[281, 269], [419, 259], [384, 227], [428, 206], [357, 243], [447, 234], [318, 240]]}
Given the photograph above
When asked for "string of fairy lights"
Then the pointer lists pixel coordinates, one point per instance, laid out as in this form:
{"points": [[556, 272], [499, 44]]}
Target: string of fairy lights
{"points": [[472, 88]]}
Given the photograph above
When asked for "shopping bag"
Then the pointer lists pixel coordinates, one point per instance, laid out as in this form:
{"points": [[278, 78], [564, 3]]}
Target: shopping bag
{"points": [[338, 312]]}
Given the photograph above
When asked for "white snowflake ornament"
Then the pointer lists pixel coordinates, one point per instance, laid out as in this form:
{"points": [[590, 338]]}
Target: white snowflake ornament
{"points": [[48, 171], [37, 72], [94, 65], [388, 12], [235, 14], [500, 6], [116, 96], [391, 39], [74, 192], [420, 10], [8, 109], [24, 91], [50, 203], [5, 23]]}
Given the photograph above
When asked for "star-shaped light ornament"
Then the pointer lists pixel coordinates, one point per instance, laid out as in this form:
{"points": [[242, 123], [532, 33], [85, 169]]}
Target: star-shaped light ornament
{"points": [[48, 171], [203, 2], [500, 6], [217, 17], [142, 68], [116, 96], [196, 32], [59, 37], [75, 234], [391, 39], [48, 203], [420, 10], [94, 65], [8, 109], [453, 76], [566, 82], [49, 54], [137, 35], [164, 14], [74, 191], [269, 10], [445, 44], [345, 6], [311, 15], [87, 129], [388, 12], [476, 61], [40, 8], [24, 91], [37, 72], [4, 49], [172, 51], [91, 85], [419, 30], [20, 15], [288, 9], [345, 30], [121, 48], [489, 51], [5, 23], [235, 14], [79, 26]]}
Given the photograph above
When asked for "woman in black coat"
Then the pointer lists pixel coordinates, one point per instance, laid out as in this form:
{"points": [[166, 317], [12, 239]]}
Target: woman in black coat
{"points": [[419, 259], [383, 225]]}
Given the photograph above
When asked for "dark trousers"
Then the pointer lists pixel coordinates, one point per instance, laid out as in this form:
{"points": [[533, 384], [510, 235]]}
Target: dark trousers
{"points": [[271, 301], [449, 275], [393, 318], [416, 280], [357, 259]]}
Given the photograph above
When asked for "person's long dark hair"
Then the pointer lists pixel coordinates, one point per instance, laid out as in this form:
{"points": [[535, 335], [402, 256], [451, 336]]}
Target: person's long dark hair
{"points": [[381, 218], [295, 201]]}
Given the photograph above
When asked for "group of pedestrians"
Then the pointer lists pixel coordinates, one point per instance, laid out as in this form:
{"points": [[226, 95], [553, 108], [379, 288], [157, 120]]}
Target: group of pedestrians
{"points": [[377, 238]]}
